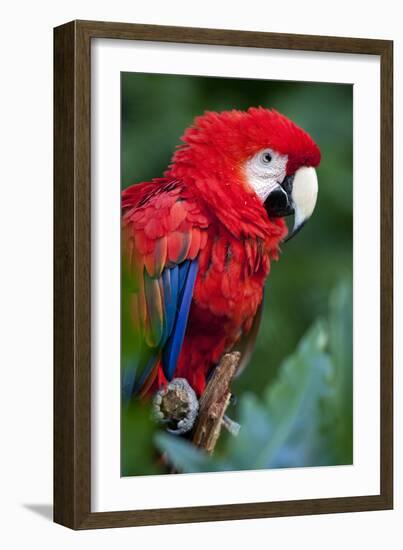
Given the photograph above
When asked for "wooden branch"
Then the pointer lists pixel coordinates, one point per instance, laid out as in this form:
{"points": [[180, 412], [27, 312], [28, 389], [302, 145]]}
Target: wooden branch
{"points": [[214, 402]]}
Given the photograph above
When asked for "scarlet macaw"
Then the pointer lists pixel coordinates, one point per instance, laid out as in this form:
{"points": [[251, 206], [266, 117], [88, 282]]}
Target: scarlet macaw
{"points": [[199, 241]]}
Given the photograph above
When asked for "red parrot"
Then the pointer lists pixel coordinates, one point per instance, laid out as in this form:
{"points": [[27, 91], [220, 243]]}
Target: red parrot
{"points": [[199, 241]]}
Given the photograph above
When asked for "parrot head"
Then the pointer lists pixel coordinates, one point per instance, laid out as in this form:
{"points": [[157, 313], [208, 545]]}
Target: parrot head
{"points": [[236, 157], [282, 169]]}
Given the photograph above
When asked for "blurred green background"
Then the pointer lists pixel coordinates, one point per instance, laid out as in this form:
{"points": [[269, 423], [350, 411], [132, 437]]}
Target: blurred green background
{"points": [[315, 265]]}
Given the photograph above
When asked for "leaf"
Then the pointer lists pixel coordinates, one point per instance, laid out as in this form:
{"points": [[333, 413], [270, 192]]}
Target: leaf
{"points": [[338, 414], [279, 431], [138, 456], [256, 429], [298, 386], [183, 455]]}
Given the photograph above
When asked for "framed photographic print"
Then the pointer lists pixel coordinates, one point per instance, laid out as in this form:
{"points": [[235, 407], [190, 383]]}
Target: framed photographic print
{"points": [[223, 275]]}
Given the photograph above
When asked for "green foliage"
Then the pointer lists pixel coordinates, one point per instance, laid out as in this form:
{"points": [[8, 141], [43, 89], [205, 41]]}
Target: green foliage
{"points": [[138, 453], [339, 406], [303, 419], [184, 456]]}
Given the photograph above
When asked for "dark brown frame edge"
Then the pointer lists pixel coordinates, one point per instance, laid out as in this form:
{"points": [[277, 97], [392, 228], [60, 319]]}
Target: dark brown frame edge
{"points": [[72, 319]]}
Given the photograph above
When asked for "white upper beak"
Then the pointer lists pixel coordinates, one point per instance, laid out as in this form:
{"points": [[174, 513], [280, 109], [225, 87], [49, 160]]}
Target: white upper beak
{"points": [[304, 194]]}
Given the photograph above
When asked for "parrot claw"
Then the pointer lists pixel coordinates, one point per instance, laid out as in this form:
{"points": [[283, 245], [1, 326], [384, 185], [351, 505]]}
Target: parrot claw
{"points": [[176, 406]]}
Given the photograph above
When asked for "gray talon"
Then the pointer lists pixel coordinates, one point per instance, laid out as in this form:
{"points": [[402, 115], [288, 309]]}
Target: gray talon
{"points": [[176, 405]]}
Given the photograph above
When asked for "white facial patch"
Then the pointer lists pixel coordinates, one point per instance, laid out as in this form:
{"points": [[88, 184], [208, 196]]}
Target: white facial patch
{"points": [[264, 171]]}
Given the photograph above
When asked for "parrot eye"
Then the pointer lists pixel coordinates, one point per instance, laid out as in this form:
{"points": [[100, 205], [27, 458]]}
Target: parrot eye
{"points": [[266, 157], [264, 170]]}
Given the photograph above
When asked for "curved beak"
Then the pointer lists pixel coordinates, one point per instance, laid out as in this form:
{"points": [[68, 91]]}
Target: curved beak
{"points": [[296, 195]]}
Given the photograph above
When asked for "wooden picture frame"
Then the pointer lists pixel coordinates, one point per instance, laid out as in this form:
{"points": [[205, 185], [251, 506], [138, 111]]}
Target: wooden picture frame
{"points": [[72, 271]]}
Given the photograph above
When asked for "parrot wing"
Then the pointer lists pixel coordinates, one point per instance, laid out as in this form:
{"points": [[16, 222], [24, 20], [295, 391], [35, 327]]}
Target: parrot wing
{"points": [[163, 234]]}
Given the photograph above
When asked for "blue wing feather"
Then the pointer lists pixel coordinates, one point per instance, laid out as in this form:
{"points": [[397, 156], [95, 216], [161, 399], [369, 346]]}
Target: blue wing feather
{"points": [[174, 344], [176, 285], [183, 273], [170, 286]]}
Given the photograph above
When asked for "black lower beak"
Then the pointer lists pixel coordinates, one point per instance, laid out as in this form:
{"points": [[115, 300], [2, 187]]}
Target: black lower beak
{"points": [[279, 203]]}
